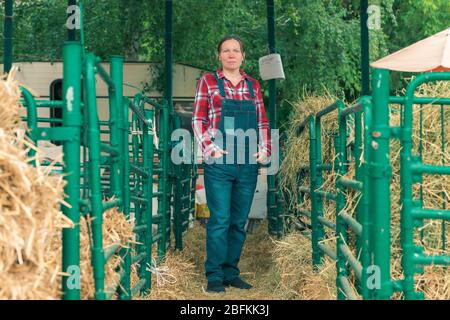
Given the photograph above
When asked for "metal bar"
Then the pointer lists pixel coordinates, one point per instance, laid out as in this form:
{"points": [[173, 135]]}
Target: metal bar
{"points": [[306, 213], [328, 109], [94, 177], [443, 231], [325, 167], [365, 219], [304, 189], [431, 260], [8, 36], [103, 74], [326, 223], [350, 183], [46, 103], [141, 98], [352, 109], [112, 290], [420, 168], [379, 175], [44, 120], [139, 170], [327, 250], [113, 151], [115, 122], [341, 169], [352, 223], [315, 157], [32, 120], [304, 124], [111, 250], [327, 195], [125, 180], [140, 228], [148, 163], [353, 262], [71, 118], [346, 287], [364, 30], [420, 100], [273, 226], [419, 213], [163, 183], [111, 204], [138, 287], [139, 200], [139, 113], [138, 258]]}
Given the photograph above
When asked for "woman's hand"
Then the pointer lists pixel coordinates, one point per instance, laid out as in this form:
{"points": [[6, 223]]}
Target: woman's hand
{"points": [[216, 154], [261, 157]]}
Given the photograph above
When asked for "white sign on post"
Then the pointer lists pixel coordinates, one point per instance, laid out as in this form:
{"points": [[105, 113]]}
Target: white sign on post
{"points": [[271, 67]]}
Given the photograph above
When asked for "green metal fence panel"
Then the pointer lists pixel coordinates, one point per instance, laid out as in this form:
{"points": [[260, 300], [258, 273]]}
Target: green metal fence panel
{"points": [[412, 170], [126, 154]]}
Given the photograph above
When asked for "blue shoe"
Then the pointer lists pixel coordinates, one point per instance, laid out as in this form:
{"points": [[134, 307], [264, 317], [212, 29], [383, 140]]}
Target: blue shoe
{"points": [[238, 283], [215, 287]]}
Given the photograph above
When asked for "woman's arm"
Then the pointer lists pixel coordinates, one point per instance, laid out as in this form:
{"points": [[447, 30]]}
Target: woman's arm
{"points": [[200, 120], [263, 125]]}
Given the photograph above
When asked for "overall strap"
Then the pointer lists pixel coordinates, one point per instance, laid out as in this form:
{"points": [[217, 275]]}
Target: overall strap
{"points": [[220, 84], [222, 90], [250, 88]]}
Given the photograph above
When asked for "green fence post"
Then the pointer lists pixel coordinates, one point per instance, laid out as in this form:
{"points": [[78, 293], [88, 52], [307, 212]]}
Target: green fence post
{"points": [[32, 118], [340, 143], [8, 36], [72, 118], [124, 126], [164, 189], [364, 215], [380, 176], [98, 258], [115, 118], [149, 151], [316, 204], [178, 194]]}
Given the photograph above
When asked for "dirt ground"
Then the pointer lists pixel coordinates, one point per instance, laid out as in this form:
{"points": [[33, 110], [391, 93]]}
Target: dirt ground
{"points": [[185, 269]]}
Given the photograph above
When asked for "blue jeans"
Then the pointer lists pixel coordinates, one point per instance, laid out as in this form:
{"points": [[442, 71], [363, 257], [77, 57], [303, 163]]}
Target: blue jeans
{"points": [[229, 193]]}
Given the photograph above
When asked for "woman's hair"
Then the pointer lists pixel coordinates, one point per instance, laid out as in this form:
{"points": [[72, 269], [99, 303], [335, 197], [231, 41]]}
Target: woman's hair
{"points": [[231, 37]]}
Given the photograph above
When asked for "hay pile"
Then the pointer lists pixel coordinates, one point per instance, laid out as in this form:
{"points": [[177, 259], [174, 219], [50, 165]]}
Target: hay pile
{"points": [[297, 264], [187, 268], [435, 282], [30, 216], [116, 230], [31, 220], [278, 269], [293, 264], [296, 149]]}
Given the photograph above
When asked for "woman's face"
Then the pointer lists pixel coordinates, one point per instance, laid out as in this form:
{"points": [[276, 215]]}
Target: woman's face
{"points": [[231, 55]]}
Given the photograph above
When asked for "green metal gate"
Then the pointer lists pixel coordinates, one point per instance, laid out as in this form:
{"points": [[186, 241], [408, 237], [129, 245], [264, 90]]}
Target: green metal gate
{"points": [[368, 152], [126, 153]]}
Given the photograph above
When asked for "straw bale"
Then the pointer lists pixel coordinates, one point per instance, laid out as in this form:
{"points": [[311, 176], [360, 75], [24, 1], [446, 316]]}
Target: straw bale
{"points": [[30, 216]]}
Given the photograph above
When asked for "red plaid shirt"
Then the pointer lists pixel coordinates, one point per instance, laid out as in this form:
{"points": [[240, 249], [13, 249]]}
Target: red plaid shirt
{"points": [[208, 106]]}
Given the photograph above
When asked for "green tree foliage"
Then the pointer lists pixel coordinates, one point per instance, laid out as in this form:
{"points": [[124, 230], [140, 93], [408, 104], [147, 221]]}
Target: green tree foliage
{"points": [[319, 40]]}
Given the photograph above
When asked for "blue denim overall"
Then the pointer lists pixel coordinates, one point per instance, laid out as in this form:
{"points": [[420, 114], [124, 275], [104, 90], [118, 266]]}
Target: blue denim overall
{"points": [[230, 187]]}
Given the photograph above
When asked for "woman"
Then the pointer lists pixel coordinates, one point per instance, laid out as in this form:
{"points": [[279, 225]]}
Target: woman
{"points": [[228, 103]]}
